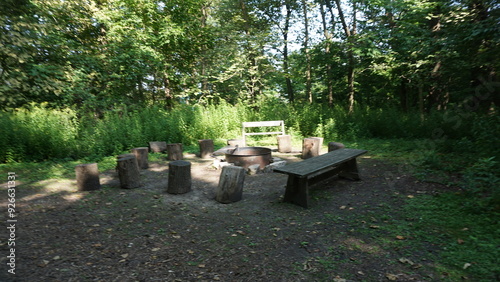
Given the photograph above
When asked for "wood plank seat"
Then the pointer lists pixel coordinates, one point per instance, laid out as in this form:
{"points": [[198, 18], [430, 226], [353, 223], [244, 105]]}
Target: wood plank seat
{"points": [[307, 172]]}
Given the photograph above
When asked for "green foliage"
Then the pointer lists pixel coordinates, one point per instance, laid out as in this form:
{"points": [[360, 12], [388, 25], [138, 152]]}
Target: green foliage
{"points": [[481, 182], [38, 133]]}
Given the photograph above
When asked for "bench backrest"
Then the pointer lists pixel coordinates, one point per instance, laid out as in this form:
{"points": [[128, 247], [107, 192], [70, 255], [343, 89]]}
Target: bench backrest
{"points": [[276, 123]]}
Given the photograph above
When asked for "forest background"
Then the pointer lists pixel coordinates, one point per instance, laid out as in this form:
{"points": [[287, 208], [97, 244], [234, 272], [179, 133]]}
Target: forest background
{"points": [[88, 79]]}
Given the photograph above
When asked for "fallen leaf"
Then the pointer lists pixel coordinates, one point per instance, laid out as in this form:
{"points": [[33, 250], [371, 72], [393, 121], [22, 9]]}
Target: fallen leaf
{"points": [[406, 261], [460, 241], [411, 196], [391, 277], [399, 237], [343, 207], [467, 265], [201, 265], [56, 258], [338, 279], [190, 251], [374, 226], [124, 255], [155, 249]]}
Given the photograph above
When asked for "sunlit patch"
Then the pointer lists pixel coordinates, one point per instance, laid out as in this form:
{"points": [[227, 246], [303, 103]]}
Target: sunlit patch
{"points": [[73, 197], [358, 244]]}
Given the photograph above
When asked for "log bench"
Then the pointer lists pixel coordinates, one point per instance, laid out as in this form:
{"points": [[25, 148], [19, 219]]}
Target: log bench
{"points": [[307, 172]]}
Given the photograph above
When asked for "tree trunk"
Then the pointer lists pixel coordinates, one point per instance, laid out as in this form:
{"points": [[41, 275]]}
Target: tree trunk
{"points": [[329, 67], [158, 146], [236, 142], [311, 147], [141, 154], [284, 143], [230, 188], [206, 148], [174, 152], [179, 177], [289, 87], [306, 50], [87, 177], [128, 172], [350, 52], [332, 146]]}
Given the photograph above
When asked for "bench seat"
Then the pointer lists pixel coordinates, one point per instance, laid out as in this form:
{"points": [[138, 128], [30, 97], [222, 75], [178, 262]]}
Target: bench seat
{"points": [[302, 174]]}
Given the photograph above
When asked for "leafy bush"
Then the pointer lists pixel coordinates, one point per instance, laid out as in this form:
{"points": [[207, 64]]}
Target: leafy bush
{"points": [[38, 133]]}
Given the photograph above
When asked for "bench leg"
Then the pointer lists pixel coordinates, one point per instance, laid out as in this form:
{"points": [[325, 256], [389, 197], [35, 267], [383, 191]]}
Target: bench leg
{"points": [[297, 191], [349, 170]]}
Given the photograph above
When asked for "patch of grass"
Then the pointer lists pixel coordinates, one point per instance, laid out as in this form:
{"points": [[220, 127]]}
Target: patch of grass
{"points": [[461, 243]]}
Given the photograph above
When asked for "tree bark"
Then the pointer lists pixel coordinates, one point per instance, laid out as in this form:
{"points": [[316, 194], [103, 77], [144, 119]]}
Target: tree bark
{"points": [[284, 143], [206, 148], [332, 146], [306, 50], [174, 152], [158, 146], [87, 177], [230, 188], [141, 154], [350, 33], [179, 177], [289, 87], [311, 147], [128, 172], [329, 67]]}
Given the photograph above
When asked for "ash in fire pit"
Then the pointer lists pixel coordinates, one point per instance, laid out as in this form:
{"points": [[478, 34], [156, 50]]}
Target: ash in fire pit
{"points": [[247, 156]]}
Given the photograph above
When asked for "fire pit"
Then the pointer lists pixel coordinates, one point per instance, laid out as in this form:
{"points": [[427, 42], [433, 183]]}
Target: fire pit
{"points": [[247, 156]]}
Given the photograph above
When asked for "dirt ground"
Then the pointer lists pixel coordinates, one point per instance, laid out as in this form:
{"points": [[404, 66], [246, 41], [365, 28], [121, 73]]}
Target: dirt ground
{"points": [[146, 234]]}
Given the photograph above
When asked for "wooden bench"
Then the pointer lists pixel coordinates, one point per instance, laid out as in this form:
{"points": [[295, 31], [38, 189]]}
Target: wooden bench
{"points": [[245, 125], [307, 172]]}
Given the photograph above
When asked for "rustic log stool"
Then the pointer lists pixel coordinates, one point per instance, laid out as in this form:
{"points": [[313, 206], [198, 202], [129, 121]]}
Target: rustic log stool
{"points": [[124, 156], [87, 177], [141, 154], [174, 152], [179, 177], [332, 146], [128, 172], [158, 146], [230, 187], [284, 143], [236, 142], [311, 147], [206, 148]]}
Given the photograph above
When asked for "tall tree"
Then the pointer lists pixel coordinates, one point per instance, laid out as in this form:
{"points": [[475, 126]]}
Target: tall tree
{"points": [[305, 9]]}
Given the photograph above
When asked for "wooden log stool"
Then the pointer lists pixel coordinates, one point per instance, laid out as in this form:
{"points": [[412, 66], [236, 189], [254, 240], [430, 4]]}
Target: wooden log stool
{"points": [[158, 146], [332, 146], [179, 177], [141, 154], [87, 177], [236, 142], [128, 172], [311, 147], [230, 188], [206, 148], [174, 152], [284, 143]]}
